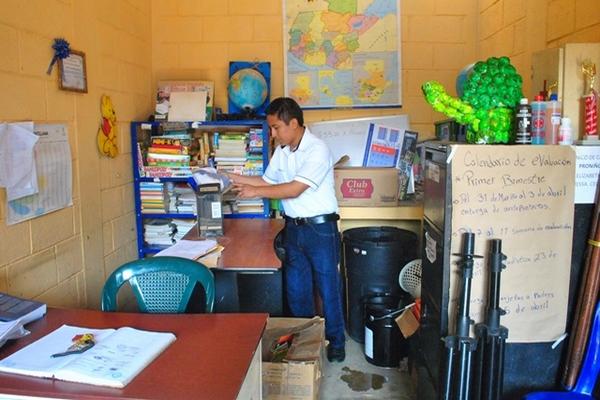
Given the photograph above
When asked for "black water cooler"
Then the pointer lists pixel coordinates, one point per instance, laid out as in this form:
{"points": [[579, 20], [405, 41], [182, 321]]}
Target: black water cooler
{"points": [[528, 366]]}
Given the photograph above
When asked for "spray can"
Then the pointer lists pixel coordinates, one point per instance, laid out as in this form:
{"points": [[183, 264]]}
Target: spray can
{"points": [[538, 120], [523, 122], [565, 133], [553, 114]]}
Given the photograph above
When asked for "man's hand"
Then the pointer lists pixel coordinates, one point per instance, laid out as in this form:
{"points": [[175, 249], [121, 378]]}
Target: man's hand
{"points": [[245, 191]]}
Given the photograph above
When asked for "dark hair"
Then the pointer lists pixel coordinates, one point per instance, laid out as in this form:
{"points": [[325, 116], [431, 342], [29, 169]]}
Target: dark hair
{"points": [[286, 109]]}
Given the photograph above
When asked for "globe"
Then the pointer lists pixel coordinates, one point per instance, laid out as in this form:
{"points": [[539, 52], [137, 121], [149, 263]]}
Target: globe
{"points": [[247, 89]]}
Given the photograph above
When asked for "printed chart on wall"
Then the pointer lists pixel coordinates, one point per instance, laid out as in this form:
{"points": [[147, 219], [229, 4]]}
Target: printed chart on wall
{"points": [[523, 195], [53, 167], [342, 53]]}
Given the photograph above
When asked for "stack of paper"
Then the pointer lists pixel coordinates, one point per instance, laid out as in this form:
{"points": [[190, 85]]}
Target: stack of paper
{"points": [[191, 249]]}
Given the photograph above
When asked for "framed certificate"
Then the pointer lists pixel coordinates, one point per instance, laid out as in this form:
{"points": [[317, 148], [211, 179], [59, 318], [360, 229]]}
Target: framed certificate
{"points": [[71, 72]]}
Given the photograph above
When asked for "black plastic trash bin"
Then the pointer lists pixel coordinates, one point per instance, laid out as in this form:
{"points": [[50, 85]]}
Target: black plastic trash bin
{"points": [[384, 344], [373, 258]]}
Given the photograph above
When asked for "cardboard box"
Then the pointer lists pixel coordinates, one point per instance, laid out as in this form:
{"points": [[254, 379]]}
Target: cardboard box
{"points": [[366, 187], [298, 375]]}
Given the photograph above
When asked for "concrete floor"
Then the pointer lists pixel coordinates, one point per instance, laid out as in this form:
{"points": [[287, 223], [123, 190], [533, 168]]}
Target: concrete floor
{"points": [[355, 378]]}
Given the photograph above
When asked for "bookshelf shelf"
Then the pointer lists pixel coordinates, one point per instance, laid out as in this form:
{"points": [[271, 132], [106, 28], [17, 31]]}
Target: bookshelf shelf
{"points": [[164, 156]]}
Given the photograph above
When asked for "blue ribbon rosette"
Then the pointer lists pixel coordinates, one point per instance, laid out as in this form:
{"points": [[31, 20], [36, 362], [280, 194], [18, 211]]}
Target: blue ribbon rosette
{"points": [[61, 51]]}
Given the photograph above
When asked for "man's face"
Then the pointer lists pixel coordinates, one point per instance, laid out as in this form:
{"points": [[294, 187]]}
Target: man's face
{"points": [[284, 133]]}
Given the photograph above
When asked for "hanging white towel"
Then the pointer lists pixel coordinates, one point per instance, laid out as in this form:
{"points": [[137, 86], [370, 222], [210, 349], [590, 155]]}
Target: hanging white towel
{"points": [[17, 161]]}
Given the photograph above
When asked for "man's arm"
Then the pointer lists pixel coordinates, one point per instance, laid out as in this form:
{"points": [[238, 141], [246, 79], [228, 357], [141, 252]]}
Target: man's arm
{"points": [[246, 180], [287, 190]]}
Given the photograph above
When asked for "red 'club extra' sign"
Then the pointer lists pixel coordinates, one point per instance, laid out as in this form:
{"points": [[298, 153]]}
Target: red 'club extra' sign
{"points": [[356, 188]]}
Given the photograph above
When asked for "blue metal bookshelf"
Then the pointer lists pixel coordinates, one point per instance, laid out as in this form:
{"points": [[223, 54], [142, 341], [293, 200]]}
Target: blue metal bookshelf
{"points": [[141, 131]]}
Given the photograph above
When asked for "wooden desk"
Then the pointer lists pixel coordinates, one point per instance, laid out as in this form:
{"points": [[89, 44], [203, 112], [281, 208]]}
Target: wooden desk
{"points": [[248, 277], [248, 243], [214, 357]]}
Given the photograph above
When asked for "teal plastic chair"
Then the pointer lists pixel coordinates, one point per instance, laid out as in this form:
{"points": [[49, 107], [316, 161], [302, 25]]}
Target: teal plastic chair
{"points": [[160, 284]]}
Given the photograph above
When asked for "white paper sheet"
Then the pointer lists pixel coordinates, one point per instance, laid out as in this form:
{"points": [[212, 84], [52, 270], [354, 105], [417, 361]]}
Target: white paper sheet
{"points": [[187, 106], [191, 249], [53, 165], [17, 165]]}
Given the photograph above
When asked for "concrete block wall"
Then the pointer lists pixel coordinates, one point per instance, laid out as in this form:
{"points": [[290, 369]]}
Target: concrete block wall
{"points": [[518, 28], [62, 258], [196, 40]]}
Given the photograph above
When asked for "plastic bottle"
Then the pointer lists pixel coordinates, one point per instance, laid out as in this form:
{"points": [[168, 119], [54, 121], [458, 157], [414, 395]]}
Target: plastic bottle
{"points": [[538, 120], [553, 114], [523, 122], [565, 133]]}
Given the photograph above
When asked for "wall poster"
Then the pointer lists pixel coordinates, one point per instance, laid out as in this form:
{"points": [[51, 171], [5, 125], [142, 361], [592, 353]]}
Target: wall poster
{"points": [[523, 195], [342, 53]]}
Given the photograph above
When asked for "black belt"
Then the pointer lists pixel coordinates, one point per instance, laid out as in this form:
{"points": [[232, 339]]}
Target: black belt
{"points": [[317, 219]]}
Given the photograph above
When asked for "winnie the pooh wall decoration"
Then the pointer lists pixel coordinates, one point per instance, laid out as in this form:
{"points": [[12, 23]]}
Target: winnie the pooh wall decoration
{"points": [[107, 133]]}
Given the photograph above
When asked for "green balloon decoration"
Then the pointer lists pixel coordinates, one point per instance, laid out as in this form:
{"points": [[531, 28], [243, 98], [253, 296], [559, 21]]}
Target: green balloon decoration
{"points": [[490, 94]]}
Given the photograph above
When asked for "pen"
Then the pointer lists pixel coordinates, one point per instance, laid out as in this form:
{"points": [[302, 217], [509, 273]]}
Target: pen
{"points": [[69, 352], [80, 344]]}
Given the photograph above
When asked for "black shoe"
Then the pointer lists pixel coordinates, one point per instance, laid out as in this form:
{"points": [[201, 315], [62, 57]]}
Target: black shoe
{"points": [[336, 354]]}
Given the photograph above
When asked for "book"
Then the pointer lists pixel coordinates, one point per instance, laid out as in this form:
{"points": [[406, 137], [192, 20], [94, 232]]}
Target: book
{"points": [[116, 358], [383, 146], [15, 308]]}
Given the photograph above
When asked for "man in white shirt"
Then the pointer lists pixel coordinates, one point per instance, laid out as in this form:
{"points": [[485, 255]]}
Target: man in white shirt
{"points": [[300, 173]]}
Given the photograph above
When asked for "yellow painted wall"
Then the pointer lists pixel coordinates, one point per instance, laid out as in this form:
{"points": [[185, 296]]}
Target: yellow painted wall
{"points": [[63, 257], [197, 39], [518, 28]]}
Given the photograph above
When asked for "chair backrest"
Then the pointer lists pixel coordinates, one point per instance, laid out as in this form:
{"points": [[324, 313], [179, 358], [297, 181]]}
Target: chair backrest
{"points": [[160, 284], [588, 375]]}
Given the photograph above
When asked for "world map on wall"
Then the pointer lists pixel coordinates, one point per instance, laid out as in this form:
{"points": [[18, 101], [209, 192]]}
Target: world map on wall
{"points": [[342, 53]]}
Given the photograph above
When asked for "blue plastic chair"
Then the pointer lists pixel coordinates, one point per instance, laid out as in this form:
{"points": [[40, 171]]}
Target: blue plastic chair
{"points": [[588, 376], [160, 284]]}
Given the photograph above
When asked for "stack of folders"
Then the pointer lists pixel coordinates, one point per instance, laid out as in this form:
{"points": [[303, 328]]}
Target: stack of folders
{"points": [[182, 199], [159, 232], [182, 226]]}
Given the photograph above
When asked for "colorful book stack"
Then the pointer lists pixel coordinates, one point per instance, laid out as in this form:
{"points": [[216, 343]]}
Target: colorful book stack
{"points": [[159, 232], [169, 156], [254, 159], [153, 197], [230, 151], [182, 199]]}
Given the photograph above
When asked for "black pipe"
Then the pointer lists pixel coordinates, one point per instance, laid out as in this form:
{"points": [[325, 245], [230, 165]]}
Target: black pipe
{"points": [[491, 336], [456, 384]]}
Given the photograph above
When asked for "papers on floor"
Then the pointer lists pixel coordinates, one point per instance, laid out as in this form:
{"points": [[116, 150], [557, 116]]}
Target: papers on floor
{"points": [[191, 249], [116, 358]]}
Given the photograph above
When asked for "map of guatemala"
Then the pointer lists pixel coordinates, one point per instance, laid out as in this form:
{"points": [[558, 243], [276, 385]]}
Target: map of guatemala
{"points": [[342, 53]]}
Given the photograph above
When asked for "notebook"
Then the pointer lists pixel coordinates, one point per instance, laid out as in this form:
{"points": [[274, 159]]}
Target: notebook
{"points": [[116, 358]]}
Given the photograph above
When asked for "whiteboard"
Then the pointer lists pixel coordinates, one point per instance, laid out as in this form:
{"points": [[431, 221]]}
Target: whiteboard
{"points": [[349, 136]]}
